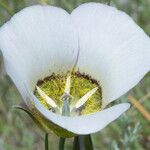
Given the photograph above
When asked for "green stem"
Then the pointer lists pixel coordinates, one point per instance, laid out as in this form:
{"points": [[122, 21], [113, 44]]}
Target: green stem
{"points": [[61, 143], [76, 145], [83, 142], [46, 141], [43, 1], [108, 3], [9, 11]]}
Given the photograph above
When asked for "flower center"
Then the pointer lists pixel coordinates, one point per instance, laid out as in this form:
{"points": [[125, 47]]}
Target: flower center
{"points": [[69, 94]]}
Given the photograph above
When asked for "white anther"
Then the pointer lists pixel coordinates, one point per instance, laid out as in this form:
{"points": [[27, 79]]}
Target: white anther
{"points": [[68, 84], [83, 99], [48, 100]]}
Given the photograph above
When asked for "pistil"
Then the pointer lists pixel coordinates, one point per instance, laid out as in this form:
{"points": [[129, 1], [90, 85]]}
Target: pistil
{"points": [[66, 97], [66, 105]]}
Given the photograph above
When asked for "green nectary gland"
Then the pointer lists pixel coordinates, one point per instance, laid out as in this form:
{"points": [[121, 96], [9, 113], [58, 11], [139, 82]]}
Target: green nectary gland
{"points": [[54, 87]]}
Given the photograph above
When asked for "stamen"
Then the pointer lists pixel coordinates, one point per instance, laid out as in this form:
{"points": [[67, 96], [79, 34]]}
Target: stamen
{"points": [[48, 100], [83, 99], [68, 83]]}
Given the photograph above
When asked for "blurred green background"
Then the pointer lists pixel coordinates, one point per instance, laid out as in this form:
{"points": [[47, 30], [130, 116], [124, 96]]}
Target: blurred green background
{"points": [[130, 132]]}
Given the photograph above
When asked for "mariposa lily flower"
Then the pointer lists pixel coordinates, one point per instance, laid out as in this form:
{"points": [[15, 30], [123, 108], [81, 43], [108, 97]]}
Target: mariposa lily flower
{"points": [[95, 41]]}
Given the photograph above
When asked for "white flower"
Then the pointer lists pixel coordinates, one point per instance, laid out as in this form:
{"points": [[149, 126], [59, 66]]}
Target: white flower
{"points": [[41, 40]]}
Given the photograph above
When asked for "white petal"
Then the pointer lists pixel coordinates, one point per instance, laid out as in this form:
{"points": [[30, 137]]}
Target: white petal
{"points": [[113, 49], [36, 42], [86, 124]]}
